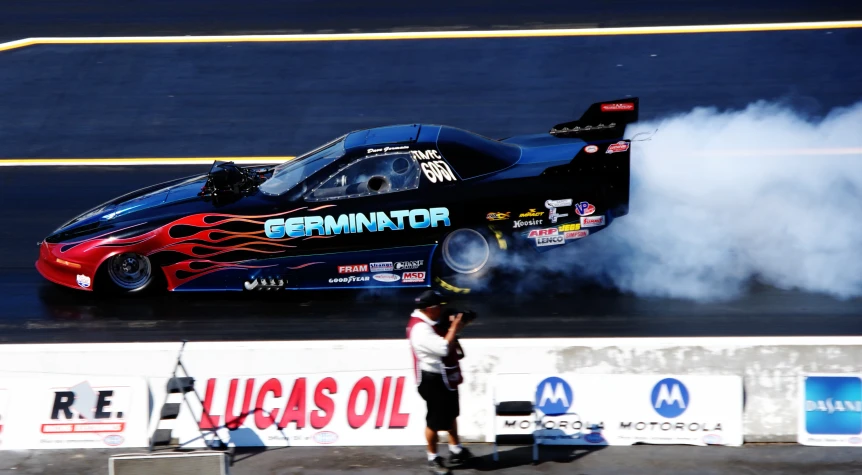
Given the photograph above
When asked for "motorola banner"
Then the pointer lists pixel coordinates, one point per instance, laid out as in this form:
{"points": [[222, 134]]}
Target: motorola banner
{"points": [[830, 409], [616, 409], [73, 412]]}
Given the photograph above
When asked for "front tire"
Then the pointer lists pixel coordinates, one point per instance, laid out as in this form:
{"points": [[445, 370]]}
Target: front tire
{"points": [[128, 273]]}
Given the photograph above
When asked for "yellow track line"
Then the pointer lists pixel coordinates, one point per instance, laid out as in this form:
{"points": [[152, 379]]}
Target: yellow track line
{"points": [[103, 162], [426, 35]]}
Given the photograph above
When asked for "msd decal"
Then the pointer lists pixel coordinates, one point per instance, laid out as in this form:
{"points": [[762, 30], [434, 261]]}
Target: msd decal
{"points": [[413, 277], [309, 410], [618, 107]]}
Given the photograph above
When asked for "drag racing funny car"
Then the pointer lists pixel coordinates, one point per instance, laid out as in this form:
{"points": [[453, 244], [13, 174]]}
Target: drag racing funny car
{"points": [[397, 206]]}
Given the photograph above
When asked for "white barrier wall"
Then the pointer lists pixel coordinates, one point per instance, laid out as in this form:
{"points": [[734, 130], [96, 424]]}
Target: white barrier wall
{"points": [[770, 367]]}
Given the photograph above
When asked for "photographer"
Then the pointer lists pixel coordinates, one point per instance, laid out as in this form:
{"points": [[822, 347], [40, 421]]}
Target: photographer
{"points": [[436, 352]]}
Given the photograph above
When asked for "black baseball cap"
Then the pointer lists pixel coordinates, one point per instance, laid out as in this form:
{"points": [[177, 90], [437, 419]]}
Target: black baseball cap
{"points": [[430, 298]]}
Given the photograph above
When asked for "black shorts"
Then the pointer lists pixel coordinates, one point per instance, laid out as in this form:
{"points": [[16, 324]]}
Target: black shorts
{"points": [[443, 407]]}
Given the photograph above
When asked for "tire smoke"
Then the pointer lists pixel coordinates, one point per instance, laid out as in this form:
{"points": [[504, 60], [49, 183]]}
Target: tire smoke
{"points": [[723, 199]]}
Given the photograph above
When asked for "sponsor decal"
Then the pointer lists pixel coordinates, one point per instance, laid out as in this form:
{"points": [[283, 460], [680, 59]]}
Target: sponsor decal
{"points": [[264, 283], [84, 409], [387, 149], [409, 265], [569, 227], [576, 234], [542, 232], [594, 438], [113, 440], [584, 209], [522, 223], [592, 221], [591, 149], [620, 146], [554, 396], [433, 166], [552, 205], [498, 216], [353, 269], [387, 277], [355, 223], [585, 128], [83, 280], [531, 214], [349, 280], [833, 405], [325, 437], [550, 240], [381, 267], [413, 277], [618, 107]]}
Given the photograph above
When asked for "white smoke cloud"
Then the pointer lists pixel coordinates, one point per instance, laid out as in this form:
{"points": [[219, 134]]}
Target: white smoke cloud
{"points": [[721, 199]]}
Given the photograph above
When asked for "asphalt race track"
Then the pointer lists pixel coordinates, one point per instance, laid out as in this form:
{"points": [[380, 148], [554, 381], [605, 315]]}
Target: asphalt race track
{"points": [[280, 99]]}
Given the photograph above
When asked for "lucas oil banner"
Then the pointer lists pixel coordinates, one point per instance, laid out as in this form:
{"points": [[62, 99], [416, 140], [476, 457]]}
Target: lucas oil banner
{"points": [[589, 409], [351, 408]]}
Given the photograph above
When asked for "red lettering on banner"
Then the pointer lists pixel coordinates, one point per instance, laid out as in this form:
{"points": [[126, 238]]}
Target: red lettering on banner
{"points": [[295, 409], [398, 420], [356, 420], [231, 421], [213, 421], [324, 403], [384, 397], [264, 418]]}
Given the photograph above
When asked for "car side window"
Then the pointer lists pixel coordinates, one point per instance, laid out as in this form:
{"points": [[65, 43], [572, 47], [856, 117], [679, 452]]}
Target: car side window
{"points": [[371, 175]]}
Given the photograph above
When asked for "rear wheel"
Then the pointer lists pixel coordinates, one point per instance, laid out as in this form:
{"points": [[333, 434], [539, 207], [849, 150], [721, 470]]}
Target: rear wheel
{"points": [[128, 272], [466, 258]]}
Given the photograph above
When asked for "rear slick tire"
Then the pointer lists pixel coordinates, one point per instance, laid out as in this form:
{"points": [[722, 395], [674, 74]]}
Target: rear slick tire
{"points": [[465, 259]]}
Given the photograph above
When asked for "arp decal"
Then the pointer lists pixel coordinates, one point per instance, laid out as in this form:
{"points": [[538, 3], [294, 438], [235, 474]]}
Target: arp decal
{"points": [[591, 149], [552, 206], [620, 146], [584, 208], [433, 166], [498, 216], [618, 107], [302, 226], [542, 232]]}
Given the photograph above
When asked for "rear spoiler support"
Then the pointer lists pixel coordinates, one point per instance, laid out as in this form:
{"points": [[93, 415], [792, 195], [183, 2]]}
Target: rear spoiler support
{"points": [[602, 121]]}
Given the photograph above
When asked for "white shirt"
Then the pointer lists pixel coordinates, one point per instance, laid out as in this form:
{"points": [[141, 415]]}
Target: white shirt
{"points": [[430, 348]]}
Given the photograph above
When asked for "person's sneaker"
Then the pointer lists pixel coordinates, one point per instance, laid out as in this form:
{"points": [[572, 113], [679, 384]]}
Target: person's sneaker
{"points": [[461, 457], [437, 466]]}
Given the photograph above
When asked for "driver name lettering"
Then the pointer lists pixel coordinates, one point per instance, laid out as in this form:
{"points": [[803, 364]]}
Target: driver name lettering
{"points": [[356, 223]]}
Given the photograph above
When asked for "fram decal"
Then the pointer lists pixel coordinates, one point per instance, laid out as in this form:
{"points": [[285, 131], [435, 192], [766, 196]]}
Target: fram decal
{"points": [[620, 146], [584, 208], [355, 222], [618, 107], [354, 269]]}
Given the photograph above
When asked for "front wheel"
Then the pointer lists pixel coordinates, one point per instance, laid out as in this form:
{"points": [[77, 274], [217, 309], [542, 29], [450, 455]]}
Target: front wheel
{"points": [[128, 272], [466, 258]]}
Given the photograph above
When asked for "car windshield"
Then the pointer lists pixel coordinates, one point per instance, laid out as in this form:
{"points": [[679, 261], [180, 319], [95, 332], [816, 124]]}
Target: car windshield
{"points": [[289, 174]]}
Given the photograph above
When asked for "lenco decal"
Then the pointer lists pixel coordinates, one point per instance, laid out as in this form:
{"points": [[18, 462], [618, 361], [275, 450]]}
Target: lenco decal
{"points": [[356, 222]]}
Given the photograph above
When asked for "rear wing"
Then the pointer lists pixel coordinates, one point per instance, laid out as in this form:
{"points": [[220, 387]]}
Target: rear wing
{"points": [[602, 121]]}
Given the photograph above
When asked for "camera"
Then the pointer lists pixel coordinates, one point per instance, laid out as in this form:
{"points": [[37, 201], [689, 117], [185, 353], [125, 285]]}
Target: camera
{"points": [[467, 315]]}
